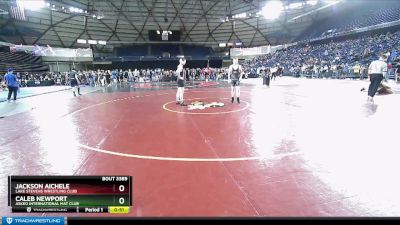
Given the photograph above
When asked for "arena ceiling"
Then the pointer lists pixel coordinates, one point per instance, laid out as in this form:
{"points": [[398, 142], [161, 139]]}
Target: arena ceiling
{"points": [[128, 21]]}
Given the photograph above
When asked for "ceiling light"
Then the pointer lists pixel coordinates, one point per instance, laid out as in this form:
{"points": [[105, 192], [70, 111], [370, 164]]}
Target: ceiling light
{"points": [[31, 4], [272, 10], [295, 5], [81, 41], [312, 2]]}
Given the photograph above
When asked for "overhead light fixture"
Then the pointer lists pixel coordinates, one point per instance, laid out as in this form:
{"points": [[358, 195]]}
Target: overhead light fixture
{"points": [[240, 16], [272, 10], [312, 2], [330, 3], [295, 5], [81, 41], [92, 42], [222, 45], [31, 4], [102, 42]]}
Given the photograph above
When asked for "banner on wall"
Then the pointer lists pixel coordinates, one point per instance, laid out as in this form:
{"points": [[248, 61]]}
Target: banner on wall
{"points": [[240, 52], [52, 52], [255, 51]]}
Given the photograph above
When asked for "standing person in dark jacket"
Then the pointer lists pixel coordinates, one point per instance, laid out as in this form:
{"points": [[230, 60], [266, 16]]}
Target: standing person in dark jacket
{"points": [[74, 79], [12, 84]]}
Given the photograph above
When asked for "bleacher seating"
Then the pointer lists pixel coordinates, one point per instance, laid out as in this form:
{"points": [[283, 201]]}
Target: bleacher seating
{"points": [[22, 63], [197, 51], [137, 50], [340, 54], [365, 15], [159, 49], [157, 52]]}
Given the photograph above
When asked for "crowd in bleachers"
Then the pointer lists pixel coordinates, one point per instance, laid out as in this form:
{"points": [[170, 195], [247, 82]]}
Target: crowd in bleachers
{"points": [[359, 16], [336, 59], [107, 77]]}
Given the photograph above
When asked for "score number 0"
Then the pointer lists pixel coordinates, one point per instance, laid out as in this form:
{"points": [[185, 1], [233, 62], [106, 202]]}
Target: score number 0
{"points": [[121, 200]]}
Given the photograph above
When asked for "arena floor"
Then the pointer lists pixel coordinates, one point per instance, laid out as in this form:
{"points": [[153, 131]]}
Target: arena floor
{"points": [[299, 148]]}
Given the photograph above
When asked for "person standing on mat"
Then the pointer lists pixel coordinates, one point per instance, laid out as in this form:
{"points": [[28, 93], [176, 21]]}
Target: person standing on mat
{"points": [[235, 73], [12, 84], [181, 83], [73, 77], [377, 70], [267, 77]]}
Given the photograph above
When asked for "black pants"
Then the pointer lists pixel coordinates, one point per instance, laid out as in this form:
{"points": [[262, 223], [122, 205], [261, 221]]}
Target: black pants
{"points": [[375, 81], [12, 90], [266, 80]]}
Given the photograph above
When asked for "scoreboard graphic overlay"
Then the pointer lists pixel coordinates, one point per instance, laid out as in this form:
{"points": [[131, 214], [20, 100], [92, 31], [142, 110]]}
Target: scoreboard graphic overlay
{"points": [[75, 194]]}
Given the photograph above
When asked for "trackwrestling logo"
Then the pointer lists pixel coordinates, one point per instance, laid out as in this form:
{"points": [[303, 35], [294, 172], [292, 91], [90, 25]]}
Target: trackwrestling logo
{"points": [[203, 105], [33, 220]]}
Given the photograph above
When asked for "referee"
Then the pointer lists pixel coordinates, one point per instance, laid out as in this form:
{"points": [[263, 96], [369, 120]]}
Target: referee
{"points": [[377, 70]]}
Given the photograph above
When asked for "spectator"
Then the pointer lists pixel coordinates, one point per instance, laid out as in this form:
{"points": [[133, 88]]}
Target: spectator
{"points": [[12, 84]]}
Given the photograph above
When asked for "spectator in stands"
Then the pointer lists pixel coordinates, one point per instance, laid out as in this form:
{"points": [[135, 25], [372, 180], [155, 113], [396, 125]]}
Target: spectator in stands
{"points": [[396, 63], [114, 75], [357, 70], [2, 83], [91, 78], [12, 84], [340, 56]]}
